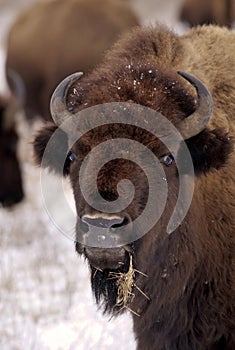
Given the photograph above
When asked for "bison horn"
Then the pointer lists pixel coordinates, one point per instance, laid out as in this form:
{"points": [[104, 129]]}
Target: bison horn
{"points": [[197, 121], [189, 127], [14, 102], [58, 109], [17, 85]]}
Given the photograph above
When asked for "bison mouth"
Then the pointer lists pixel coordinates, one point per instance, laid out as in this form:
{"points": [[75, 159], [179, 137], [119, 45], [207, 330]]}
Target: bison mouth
{"points": [[112, 276], [103, 259]]}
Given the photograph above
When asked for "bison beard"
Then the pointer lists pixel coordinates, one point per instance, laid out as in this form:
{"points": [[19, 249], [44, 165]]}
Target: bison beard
{"points": [[105, 288], [114, 288]]}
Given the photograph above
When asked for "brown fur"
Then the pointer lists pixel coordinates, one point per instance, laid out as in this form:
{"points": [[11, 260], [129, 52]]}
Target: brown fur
{"points": [[190, 273], [198, 12], [53, 39]]}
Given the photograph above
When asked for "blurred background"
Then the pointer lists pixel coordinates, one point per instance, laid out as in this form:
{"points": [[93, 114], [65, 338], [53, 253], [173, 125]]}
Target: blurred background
{"points": [[45, 297]]}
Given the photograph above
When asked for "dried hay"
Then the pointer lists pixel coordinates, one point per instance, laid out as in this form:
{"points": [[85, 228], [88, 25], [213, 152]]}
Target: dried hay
{"points": [[125, 284]]}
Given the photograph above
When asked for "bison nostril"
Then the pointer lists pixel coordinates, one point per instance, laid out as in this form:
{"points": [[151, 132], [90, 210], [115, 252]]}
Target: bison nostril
{"points": [[124, 222], [10, 199], [104, 222]]}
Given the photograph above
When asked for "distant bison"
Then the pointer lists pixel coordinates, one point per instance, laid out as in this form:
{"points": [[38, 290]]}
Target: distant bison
{"points": [[180, 287], [11, 188], [198, 12], [52, 39]]}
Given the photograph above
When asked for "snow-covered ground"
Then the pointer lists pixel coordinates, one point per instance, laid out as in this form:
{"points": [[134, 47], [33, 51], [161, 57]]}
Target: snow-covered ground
{"points": [[45, 297]]}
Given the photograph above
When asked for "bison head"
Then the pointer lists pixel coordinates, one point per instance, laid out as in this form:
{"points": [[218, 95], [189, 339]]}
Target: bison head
{"points": [[186, 103]]}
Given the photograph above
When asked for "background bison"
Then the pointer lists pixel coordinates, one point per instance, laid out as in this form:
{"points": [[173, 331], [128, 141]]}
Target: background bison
{"points": [[52, 39], [220, 12], [11, 187], [181, 286]]}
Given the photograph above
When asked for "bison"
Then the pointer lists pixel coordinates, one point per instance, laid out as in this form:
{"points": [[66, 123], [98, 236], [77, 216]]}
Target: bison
{"points": [[11, 188], [178, 286], [220, 12], [52, 39]]}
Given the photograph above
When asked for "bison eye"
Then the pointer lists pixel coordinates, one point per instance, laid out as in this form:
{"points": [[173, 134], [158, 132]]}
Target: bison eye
{"points": [[168, 159], [71, 157]]}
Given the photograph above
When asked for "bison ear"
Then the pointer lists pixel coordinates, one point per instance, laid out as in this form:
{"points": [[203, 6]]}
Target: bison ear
{"points": [[209, 150], [52, 158]]}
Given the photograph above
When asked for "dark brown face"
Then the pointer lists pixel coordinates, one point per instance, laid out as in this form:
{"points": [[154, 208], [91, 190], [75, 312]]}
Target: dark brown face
{"points": [[106, 261], [102, 223], [11, 191]]}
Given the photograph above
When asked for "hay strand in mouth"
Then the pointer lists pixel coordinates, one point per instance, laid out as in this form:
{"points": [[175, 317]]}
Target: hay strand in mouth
{"points": [[125, 284]]}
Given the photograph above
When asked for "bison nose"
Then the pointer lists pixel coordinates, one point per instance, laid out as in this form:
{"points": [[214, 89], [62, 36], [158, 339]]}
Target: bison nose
{"points": [[104, 230], [104, 222]]}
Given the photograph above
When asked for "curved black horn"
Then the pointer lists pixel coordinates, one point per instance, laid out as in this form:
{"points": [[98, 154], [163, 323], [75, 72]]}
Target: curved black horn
{"points": [[197, 121], [15, 101], [16, 84], [58, 109]]}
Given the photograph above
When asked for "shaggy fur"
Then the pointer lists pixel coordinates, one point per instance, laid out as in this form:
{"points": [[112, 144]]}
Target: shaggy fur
{"points": [[220, 12], [44, 53], [188, 275]]}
